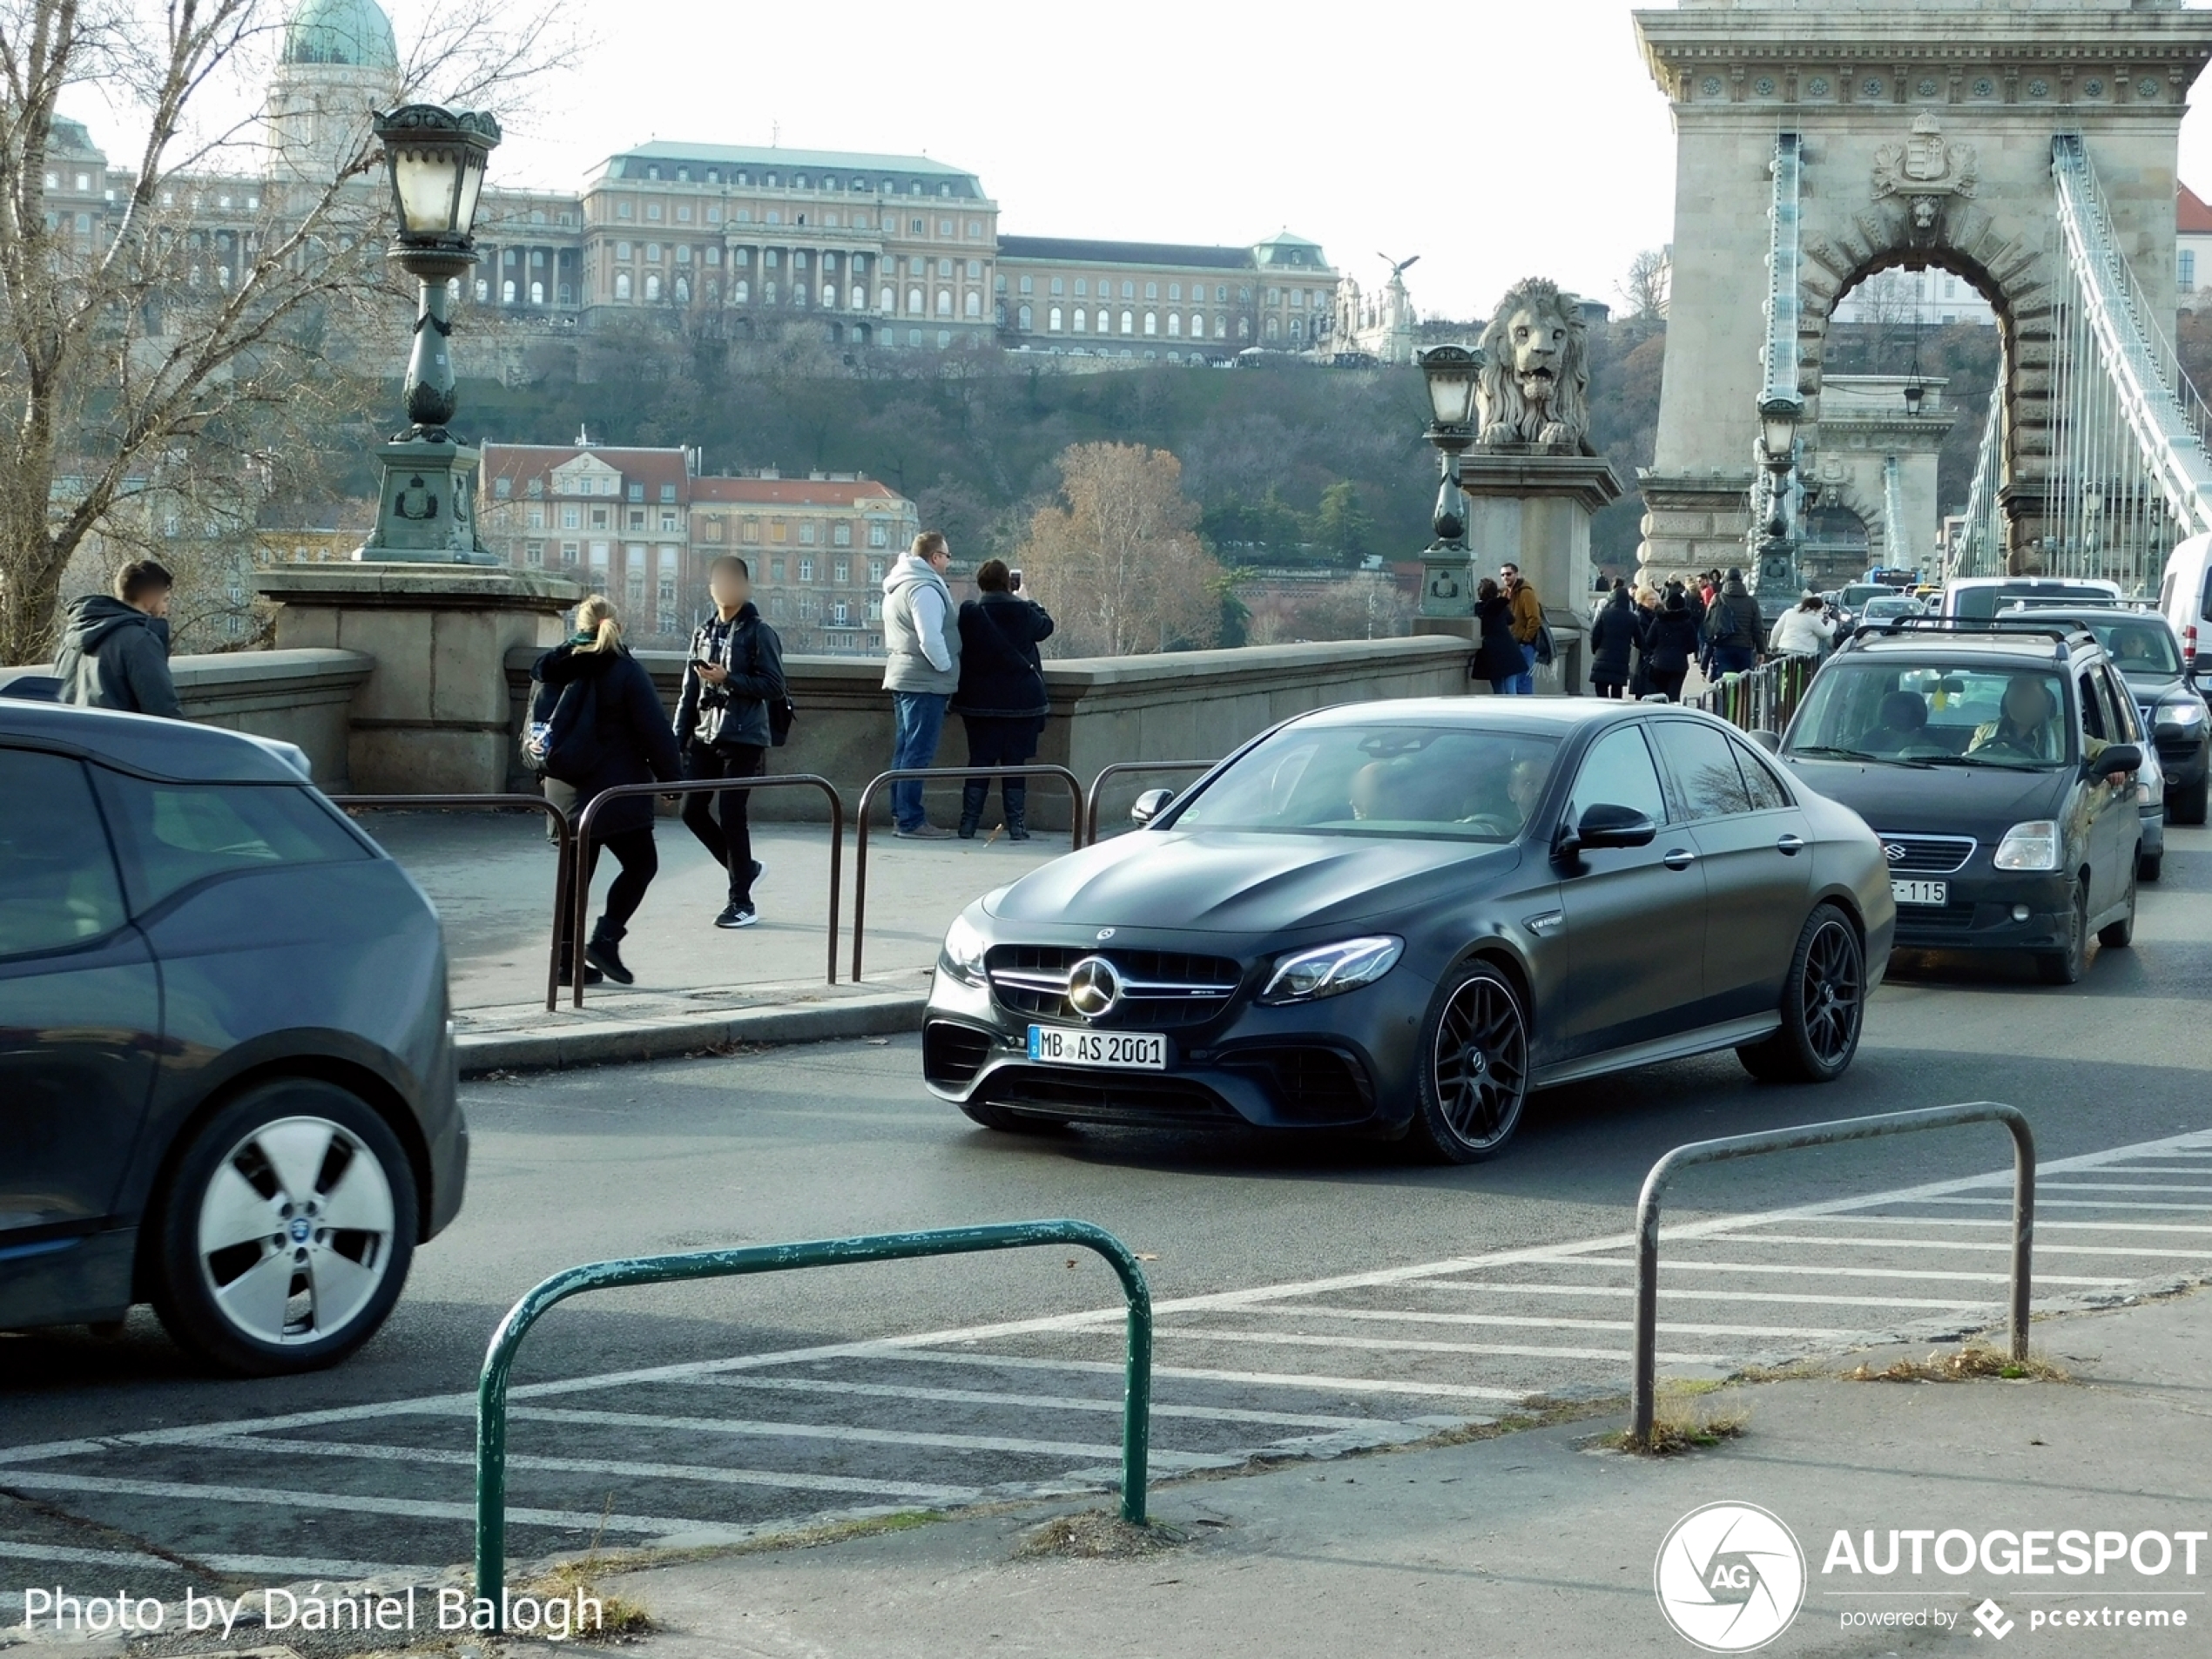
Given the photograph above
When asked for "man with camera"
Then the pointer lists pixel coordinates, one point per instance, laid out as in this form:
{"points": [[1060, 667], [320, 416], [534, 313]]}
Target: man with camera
{"points": [[735, 674]]}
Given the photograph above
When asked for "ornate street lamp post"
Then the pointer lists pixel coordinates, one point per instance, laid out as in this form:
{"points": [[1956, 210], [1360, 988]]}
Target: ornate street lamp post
{"points": [[1446, 587], [1775, 576], [435, 160]]}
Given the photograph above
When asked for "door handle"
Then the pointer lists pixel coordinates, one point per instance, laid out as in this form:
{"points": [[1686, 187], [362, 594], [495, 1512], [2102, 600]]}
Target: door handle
{"points": [[1680, 859], [1792, 845]]}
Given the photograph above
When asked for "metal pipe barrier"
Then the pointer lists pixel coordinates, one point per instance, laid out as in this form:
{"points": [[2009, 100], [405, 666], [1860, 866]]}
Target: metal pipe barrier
{"points": [[691, 786], [499, 1357], [564, 836], [1761, 699], [1783, 1140], [1128, 768], [898, 774]]}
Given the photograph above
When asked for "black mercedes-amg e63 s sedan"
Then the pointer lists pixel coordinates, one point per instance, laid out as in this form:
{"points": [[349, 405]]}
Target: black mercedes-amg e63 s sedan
{"points": [[1399, 918]]}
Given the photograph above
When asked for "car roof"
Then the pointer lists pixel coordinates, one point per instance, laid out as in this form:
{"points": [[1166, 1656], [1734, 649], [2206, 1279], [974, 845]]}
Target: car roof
{"points": [[1567, 713], [1997, 645], [174, 751]]}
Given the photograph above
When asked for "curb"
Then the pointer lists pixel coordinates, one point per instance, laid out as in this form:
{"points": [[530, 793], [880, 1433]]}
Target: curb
{"points": [[891, 1013]]}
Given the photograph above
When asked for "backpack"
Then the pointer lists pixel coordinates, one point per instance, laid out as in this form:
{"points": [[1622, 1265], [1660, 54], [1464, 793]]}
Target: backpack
{"points": [[570, 752], [780, 711], [1545, 649]]}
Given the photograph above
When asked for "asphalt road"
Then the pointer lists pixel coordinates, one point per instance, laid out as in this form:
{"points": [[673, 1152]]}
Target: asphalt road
{"points": [[1316, 1295]]}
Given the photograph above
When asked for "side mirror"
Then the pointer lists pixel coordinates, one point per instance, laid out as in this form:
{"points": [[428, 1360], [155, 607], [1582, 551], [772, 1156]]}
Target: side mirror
{"points": [[1150, 804], [1604, 826], [2115, 757], [1770, 741]]}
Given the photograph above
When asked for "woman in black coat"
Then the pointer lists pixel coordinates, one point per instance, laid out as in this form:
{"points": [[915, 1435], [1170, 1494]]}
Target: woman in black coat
{"points": [[1671, 643], [1001, 696], [1613, 635], [1497, 654], [629, 740]]}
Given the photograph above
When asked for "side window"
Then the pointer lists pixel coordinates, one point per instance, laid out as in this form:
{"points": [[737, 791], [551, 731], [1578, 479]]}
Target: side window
{"points": [[2125, 728], [2093, 712], [61, 886], [1618, 771], [1765, 788], [1703, 761], [171, 835]]}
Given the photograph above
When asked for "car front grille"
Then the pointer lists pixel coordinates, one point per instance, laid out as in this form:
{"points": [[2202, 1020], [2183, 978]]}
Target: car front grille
{"points": [[1160, 988], [1104, 1095], [1926, 855], [1309, 1085], [1933, 918]]}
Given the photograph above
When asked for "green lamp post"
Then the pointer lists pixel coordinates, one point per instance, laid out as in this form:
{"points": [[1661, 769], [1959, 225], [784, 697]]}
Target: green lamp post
{"points": [[1448, 588], [426, 512]]}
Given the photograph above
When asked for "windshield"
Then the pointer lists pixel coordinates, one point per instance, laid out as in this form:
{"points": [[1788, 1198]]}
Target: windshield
{"points": [[1432, 782], [1860, 592], [1931, 714], [1877, 608], [1984, 603], [2138, 646]]}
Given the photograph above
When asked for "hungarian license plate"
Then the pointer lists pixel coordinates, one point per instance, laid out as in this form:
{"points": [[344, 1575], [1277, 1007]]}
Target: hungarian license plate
{"points": [[1054, 1045], [1921, 891]]}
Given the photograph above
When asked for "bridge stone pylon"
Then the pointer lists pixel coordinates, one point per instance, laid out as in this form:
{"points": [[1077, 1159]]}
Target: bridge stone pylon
{"points": [[1926, 139]]}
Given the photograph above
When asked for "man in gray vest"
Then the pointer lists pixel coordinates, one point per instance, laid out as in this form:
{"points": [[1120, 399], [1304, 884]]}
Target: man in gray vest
{"points": [[921, 674]]}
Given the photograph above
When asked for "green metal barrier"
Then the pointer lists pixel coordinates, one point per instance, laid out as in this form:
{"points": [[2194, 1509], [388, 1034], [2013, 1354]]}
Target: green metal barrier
{"points": [[499, 1358]]}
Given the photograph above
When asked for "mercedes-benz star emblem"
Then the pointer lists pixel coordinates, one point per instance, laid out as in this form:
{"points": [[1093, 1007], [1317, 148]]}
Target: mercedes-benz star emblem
{"points": [[1094, 988], [1892, 851], [1105, 933]]}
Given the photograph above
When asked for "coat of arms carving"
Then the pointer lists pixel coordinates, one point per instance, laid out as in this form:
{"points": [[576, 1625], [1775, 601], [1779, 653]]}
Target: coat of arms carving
{"points": [[1927, 170]]}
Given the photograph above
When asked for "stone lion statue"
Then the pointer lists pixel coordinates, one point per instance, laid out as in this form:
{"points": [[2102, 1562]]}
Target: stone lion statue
{"points": [[1532, 390]]}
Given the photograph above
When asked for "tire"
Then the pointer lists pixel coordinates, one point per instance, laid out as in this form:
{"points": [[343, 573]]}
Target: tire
{"points": [[2065, 967], [243, 1213], [2118, 935], [2188, 806], [2149, 866], [1007, 1123], [1823, 1006], [1473, 1070]]}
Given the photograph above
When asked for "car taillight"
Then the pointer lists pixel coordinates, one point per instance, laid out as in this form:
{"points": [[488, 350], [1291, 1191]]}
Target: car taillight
{"points": [[2189, 644]]}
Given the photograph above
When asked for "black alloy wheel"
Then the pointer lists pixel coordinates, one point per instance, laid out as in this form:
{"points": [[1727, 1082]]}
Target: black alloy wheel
{"points": [[1823, 1006], [2064, 965], [1475, 1078]]}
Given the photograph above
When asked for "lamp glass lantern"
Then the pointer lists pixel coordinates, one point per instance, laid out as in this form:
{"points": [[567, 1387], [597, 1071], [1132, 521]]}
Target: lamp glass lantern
{"points": [[435, 160], [1778, 428], [1450, 371]]}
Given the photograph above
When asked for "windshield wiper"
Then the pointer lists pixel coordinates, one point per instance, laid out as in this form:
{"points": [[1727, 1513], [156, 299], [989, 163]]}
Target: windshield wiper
{"points": [[1830, 751], [1986, 760]]}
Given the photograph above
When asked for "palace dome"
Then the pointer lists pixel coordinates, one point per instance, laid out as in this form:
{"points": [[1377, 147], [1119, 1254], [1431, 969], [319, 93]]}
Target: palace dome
{"points": [[353, 32]]}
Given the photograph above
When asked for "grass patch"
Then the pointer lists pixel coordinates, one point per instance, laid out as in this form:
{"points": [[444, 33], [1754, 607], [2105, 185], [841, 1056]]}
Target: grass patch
{"points": [[1681, 1424], [621, 1620], [1095, 1535], [1969, 1364]]}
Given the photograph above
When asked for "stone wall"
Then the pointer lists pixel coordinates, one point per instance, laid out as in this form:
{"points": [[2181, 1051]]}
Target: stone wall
{"points": [[1180, 705]]}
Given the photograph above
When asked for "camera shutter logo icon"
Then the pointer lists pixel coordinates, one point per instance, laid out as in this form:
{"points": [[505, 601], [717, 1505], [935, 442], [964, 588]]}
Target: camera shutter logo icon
{"points": [[1729, 1577]]}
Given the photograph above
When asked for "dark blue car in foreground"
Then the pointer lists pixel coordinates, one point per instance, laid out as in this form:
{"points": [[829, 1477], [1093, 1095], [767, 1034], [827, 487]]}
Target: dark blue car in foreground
{"points": [[226, 1065]]}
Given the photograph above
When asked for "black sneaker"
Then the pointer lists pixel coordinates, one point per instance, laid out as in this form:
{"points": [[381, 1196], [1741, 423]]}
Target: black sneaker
{"points": [[758, 870], [737, 915], [604, 954], [591, 975]]}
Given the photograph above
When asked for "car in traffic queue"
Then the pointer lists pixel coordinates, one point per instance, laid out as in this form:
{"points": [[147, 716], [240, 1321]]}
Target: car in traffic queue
{"points": [[1402, 918], [1977, 598], [227, 1080], [1994, 761]]}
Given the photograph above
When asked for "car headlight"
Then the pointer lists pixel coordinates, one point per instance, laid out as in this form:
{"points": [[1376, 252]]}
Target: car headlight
{"points": [[2032, 846], [2189, 713], [963, 954], [1332, 969]]}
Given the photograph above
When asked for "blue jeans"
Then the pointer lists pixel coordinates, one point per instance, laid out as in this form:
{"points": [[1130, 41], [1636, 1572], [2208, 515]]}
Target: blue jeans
{"points": [[917, 721], [1733, 659], [1524, 683]]}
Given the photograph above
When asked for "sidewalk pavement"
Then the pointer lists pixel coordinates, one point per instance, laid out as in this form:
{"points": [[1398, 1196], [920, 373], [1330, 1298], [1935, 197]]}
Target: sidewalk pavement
{"points": [[1540, 1542], [490, 875]]}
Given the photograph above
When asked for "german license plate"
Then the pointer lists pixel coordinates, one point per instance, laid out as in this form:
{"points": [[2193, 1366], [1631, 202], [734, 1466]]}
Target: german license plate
{"points": [[1054, 1045], [1921, 891]]}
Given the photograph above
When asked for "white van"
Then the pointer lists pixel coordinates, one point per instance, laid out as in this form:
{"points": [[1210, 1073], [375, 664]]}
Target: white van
{"points": [[2185, 594], [1981, 597]]}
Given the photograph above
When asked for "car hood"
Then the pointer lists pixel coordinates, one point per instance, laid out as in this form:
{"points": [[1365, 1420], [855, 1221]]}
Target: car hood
{"points": [[1235, 881], [1937, 800]]}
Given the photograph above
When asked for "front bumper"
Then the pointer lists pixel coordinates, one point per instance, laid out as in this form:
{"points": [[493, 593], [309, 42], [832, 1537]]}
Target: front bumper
{"points": [[1979, 915], [1343, 1063]]}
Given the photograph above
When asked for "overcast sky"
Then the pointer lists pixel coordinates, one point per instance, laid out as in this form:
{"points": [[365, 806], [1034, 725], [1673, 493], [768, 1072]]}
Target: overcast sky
{"points": [[1495, 139]]}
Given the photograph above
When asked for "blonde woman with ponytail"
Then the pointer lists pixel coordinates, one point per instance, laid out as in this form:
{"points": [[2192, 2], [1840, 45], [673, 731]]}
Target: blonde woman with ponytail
{"points": [[607, 728]]}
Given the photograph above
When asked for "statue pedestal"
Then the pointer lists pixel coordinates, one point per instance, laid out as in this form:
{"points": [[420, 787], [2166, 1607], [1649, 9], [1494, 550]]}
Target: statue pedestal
{"points": [[435, 716], [1532, 508]]}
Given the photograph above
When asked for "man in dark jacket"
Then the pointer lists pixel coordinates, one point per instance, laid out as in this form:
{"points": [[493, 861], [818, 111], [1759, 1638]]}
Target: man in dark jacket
{"points": [[1671, 640], [115, 653], [1734, 628], [736, 669], [1001, 695], [1613, 635]]}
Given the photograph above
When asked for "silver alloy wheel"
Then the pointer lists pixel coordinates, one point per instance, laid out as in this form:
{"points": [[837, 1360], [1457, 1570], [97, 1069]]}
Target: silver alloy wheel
{"points": [[295, 1230]]}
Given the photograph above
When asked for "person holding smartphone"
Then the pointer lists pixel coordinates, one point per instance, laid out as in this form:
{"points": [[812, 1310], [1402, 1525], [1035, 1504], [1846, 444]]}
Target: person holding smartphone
{"points": [[736, 669]]}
